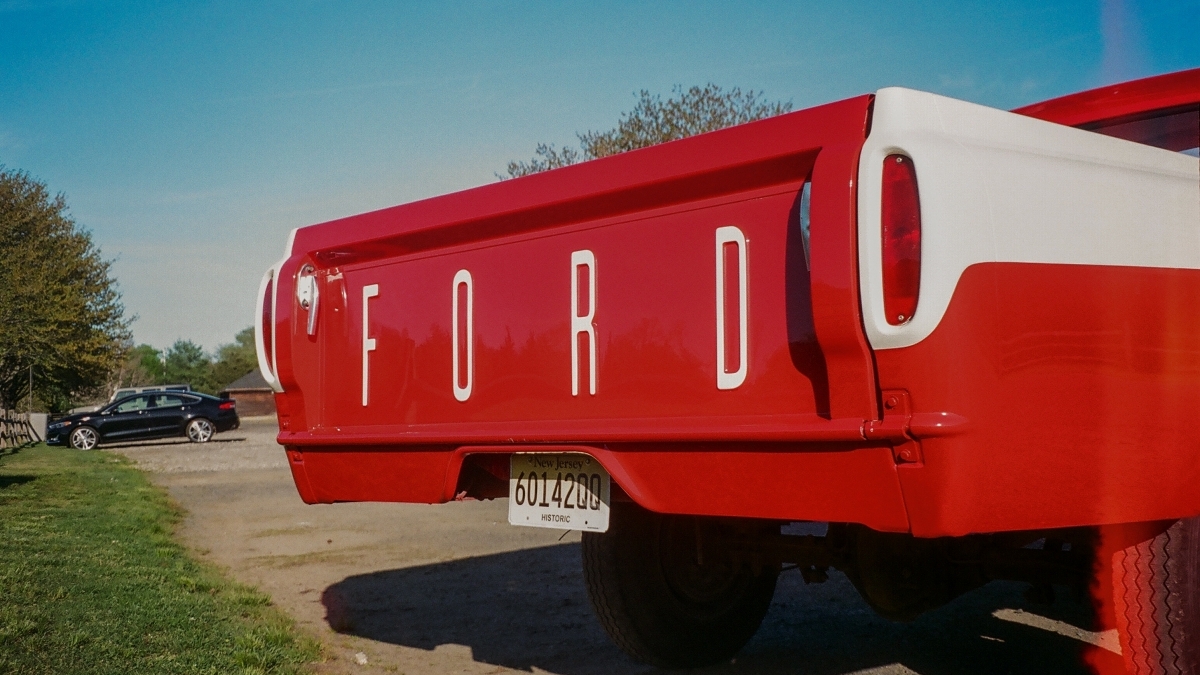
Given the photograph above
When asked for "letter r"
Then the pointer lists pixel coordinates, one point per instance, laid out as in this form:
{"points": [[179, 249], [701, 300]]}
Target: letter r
{"points": [[583, 324]]}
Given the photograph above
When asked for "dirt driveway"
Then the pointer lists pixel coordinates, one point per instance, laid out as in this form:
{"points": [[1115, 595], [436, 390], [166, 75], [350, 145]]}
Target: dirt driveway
{"points": [[453, 588]]}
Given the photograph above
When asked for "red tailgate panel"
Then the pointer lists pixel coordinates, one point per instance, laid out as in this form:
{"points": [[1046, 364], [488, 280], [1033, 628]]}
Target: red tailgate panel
{"points": [[649, 222], [655, 328]]}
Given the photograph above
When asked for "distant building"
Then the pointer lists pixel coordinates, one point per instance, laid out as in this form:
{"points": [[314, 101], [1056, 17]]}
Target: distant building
{"points": [[253, 395]]}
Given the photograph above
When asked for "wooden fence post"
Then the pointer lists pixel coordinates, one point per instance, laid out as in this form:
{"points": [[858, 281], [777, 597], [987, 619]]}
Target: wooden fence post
{"points": [[16, 430]]}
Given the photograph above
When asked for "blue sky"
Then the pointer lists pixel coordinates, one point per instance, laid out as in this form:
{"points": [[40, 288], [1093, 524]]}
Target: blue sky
{"points": [[191, 137]]}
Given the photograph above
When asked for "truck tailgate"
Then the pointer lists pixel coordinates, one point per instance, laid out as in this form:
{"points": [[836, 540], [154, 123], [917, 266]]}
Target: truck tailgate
{"points": [[653, 250], [688, 305]]}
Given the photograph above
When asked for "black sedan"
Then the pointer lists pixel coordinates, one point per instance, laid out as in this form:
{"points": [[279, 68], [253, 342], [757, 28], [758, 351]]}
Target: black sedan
{"points": [[149, 415]]}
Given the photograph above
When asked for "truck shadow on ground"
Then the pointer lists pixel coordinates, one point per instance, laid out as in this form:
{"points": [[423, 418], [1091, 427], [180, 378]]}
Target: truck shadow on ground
{"points": [[529, 609]]}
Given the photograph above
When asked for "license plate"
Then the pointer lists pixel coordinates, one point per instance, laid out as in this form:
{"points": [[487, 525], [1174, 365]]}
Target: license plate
{"points": [[562, 492]]}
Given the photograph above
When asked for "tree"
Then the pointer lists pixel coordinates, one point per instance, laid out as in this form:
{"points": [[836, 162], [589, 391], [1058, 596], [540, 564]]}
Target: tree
{"points": [[653, 121], [234, 360], [186, 363], [147, 365], [60, 310], [142, 366]]}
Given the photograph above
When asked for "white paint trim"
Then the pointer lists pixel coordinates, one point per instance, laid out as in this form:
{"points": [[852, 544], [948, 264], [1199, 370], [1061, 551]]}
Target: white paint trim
{"points": [[269, 367], [260, 347], [1000, 187], [463, 277], [730, 234]]}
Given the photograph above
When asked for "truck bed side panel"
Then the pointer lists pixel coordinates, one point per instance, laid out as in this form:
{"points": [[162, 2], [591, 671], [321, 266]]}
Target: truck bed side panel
{"points": [[1059, 294]]}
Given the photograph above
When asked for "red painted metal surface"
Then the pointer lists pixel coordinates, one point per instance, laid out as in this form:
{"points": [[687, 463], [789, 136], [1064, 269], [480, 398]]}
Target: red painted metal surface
{"points": [[1163, 111], [655, 330], [837, 320], [649, 216], [1086, 108], [1079, 382], [735, 479], [649, 219], [1049, 395]]}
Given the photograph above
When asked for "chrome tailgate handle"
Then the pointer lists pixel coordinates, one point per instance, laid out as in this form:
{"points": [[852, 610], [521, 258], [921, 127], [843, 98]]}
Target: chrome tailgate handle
{"points": [[309, 295]]}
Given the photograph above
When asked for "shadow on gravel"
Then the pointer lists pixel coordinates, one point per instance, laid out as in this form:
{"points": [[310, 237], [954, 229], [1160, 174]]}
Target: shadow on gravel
{"points": [[529, 609]]}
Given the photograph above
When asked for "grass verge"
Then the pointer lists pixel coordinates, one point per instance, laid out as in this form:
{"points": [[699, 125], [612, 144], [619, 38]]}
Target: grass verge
{"points": [[91, 580]]}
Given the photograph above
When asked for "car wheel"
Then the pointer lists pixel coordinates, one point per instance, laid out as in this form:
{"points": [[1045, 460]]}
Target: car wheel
{"points": [[84, 438], [666, 600], [200, 430], [1156, 598]]}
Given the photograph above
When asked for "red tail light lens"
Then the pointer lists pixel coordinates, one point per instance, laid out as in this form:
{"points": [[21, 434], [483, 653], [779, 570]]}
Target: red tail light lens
{"points": [[227, 405], [268, 343], [901, 239]]}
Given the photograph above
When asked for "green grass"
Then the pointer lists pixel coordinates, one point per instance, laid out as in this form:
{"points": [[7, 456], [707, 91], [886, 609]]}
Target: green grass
{"points": [[91, 580]]}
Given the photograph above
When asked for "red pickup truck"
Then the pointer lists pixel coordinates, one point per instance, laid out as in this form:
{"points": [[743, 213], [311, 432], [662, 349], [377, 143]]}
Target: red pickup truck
{"points": [[961, 343]]}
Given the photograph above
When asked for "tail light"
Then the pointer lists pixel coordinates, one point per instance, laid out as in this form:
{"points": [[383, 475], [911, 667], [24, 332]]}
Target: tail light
{"points": [[227, 405], [901, 239]]}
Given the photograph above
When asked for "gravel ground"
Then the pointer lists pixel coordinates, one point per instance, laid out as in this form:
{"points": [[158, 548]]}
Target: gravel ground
{"points": [[417, 589]]}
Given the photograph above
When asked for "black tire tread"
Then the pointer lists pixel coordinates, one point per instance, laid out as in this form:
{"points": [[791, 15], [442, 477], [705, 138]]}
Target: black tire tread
{"points": [[599, 563], [1155, 586], [628, 591]]}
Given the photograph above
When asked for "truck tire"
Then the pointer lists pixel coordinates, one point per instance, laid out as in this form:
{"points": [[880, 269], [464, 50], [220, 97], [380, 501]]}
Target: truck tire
{"points": [[661, 604], [1156, 599]]}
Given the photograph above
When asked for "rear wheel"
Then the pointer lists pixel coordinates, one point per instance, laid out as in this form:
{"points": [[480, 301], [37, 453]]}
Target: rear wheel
{"points": [[84, 438], [200, 430], [666, 596], [1156, 598]]}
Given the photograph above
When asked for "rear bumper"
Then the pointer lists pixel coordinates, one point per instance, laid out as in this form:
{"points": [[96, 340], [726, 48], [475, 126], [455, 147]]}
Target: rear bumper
{"points": [[959, 485], [780, 481], [227, 422]]}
